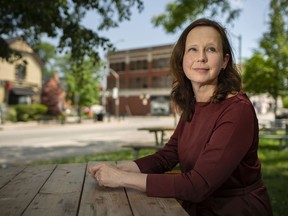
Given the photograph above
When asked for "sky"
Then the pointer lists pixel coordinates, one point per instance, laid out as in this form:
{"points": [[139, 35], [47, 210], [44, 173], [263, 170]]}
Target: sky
{"points": [[139, 31]]}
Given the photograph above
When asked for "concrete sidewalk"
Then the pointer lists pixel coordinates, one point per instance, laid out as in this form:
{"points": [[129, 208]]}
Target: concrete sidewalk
{"points": [[86, 138], [23, 143]]}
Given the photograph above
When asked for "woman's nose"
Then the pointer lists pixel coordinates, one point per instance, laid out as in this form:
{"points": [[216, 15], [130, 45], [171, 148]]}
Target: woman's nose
{"points": [[202, 56]]}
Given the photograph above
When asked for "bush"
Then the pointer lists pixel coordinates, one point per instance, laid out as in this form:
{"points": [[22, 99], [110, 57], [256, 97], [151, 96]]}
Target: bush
{"points": [[12, 114], [30, 112], [285, 101]]}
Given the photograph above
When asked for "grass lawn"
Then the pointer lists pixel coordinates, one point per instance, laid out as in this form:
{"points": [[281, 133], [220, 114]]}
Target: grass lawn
{"points": [[275, 174], [274, 169]]}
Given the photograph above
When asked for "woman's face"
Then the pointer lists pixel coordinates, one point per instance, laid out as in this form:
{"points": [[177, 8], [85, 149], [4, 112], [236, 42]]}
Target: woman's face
{"points": [[203, 57]]}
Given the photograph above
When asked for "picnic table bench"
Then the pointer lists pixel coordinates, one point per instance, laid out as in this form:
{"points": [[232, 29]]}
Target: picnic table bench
{"points": [[136, 148], [67, 189], [159, 133]]}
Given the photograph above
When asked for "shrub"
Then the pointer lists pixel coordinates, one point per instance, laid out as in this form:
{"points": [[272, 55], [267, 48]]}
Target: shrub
{"points": [[30, 112], [285, 101], [12, 114]]}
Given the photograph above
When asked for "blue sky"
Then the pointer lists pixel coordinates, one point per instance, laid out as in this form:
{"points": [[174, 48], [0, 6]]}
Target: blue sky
{"points": [[139, 31]]}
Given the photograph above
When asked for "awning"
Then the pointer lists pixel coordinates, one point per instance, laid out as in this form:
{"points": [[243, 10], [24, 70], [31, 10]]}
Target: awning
{"points": [[23, 91]]}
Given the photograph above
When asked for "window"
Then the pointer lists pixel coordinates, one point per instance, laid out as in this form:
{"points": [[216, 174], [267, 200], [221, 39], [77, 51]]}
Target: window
{"points": [[20, 72], [138, 83], [161, 82], [154, 82], [160, 63], [118, 66], [139, 65], [122, 84]]}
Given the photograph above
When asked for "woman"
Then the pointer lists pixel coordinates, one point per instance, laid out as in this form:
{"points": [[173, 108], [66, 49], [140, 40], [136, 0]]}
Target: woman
{"points": [[215, 141]]}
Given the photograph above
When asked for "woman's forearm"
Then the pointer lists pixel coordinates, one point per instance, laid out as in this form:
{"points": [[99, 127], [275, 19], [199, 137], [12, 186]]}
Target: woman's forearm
{"points": [[129, 166], [132, 176], [134, 180], [125, 174]]}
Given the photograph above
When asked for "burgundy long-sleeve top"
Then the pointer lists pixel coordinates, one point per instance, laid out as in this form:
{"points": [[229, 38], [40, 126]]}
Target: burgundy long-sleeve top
{"points": [[216, 151]]}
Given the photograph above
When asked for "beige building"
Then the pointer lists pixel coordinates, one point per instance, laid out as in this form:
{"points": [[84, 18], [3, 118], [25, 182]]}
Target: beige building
{"points": [[21, 81]]}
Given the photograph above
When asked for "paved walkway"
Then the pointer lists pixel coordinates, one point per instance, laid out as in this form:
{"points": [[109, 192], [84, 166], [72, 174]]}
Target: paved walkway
{"points": [[105, 136], [28, 142]]}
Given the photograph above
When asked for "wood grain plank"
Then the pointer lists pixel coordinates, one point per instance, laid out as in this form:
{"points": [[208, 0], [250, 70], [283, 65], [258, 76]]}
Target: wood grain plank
{"points": [[61, 193], [142, 205], [18, 193], [103, 201], [7, 174]]}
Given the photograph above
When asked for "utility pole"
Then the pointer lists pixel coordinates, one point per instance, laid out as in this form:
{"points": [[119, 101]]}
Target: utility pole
{"points": [[239, 38], [116, 91]]}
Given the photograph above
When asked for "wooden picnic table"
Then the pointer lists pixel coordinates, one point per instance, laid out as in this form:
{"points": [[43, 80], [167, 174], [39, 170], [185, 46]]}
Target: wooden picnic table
{"points": [[67, 189], [159, 133]]}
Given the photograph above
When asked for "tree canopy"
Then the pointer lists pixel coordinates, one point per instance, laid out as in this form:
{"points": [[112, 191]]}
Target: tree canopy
{"points": [[267, 70], [62, 19], [179, 12], [82, 82], [47, 52]]}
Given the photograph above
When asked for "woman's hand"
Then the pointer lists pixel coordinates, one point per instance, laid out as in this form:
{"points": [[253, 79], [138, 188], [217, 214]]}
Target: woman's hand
{"points": [[109, 175], [106, 175]]}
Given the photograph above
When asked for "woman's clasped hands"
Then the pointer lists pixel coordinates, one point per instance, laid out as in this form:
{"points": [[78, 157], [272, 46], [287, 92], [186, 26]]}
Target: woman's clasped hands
{"points": [[106, 174]]}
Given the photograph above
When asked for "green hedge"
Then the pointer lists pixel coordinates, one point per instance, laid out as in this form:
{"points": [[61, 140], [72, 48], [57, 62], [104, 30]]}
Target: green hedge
{"points": [[285, 101], [30, 112], [11, 114]]}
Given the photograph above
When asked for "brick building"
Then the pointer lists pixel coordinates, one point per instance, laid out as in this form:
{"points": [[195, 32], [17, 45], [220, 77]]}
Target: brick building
{"points": [[143, 79]]}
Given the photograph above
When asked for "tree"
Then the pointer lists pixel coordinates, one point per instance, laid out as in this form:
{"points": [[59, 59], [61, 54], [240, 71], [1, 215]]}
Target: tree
{"points": [[267, 70], [53, 96], [62, 19], [180, 11], [47, 53], [81, 82]]}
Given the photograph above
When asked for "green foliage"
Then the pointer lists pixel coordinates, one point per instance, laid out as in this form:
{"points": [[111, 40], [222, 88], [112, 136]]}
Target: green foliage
{"points": [[285, 101], [47, 52], [259, 76], [179, 12], [81, 81], [267, 70], [62, 20], [12, 114], [108, 156], [29, 112], [275, 174]]}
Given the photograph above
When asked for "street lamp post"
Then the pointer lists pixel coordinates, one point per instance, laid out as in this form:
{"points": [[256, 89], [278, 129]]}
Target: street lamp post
{"points": [[239, 38], [116, 91]]}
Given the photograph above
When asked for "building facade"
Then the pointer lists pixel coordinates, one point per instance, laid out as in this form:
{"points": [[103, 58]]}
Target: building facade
{"points": [[21, 81], [142, 84]]}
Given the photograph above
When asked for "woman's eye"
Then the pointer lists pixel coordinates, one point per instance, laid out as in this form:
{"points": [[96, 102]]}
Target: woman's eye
{"points": [[211, 49], [193, 49]]}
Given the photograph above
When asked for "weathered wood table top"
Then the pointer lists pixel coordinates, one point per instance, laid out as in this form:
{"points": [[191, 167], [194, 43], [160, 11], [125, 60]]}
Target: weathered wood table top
{"points": [[67, 189]]}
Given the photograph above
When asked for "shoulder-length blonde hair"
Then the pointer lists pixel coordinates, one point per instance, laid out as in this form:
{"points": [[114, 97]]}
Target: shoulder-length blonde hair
{"points": [[229, 79]]}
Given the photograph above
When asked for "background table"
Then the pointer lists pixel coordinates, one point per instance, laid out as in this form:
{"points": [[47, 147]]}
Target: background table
{"points": [[159, 141], [67, 189]]}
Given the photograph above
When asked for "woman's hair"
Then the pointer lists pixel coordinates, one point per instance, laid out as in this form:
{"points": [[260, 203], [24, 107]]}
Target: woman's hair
{"points": [[229, 79]]}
